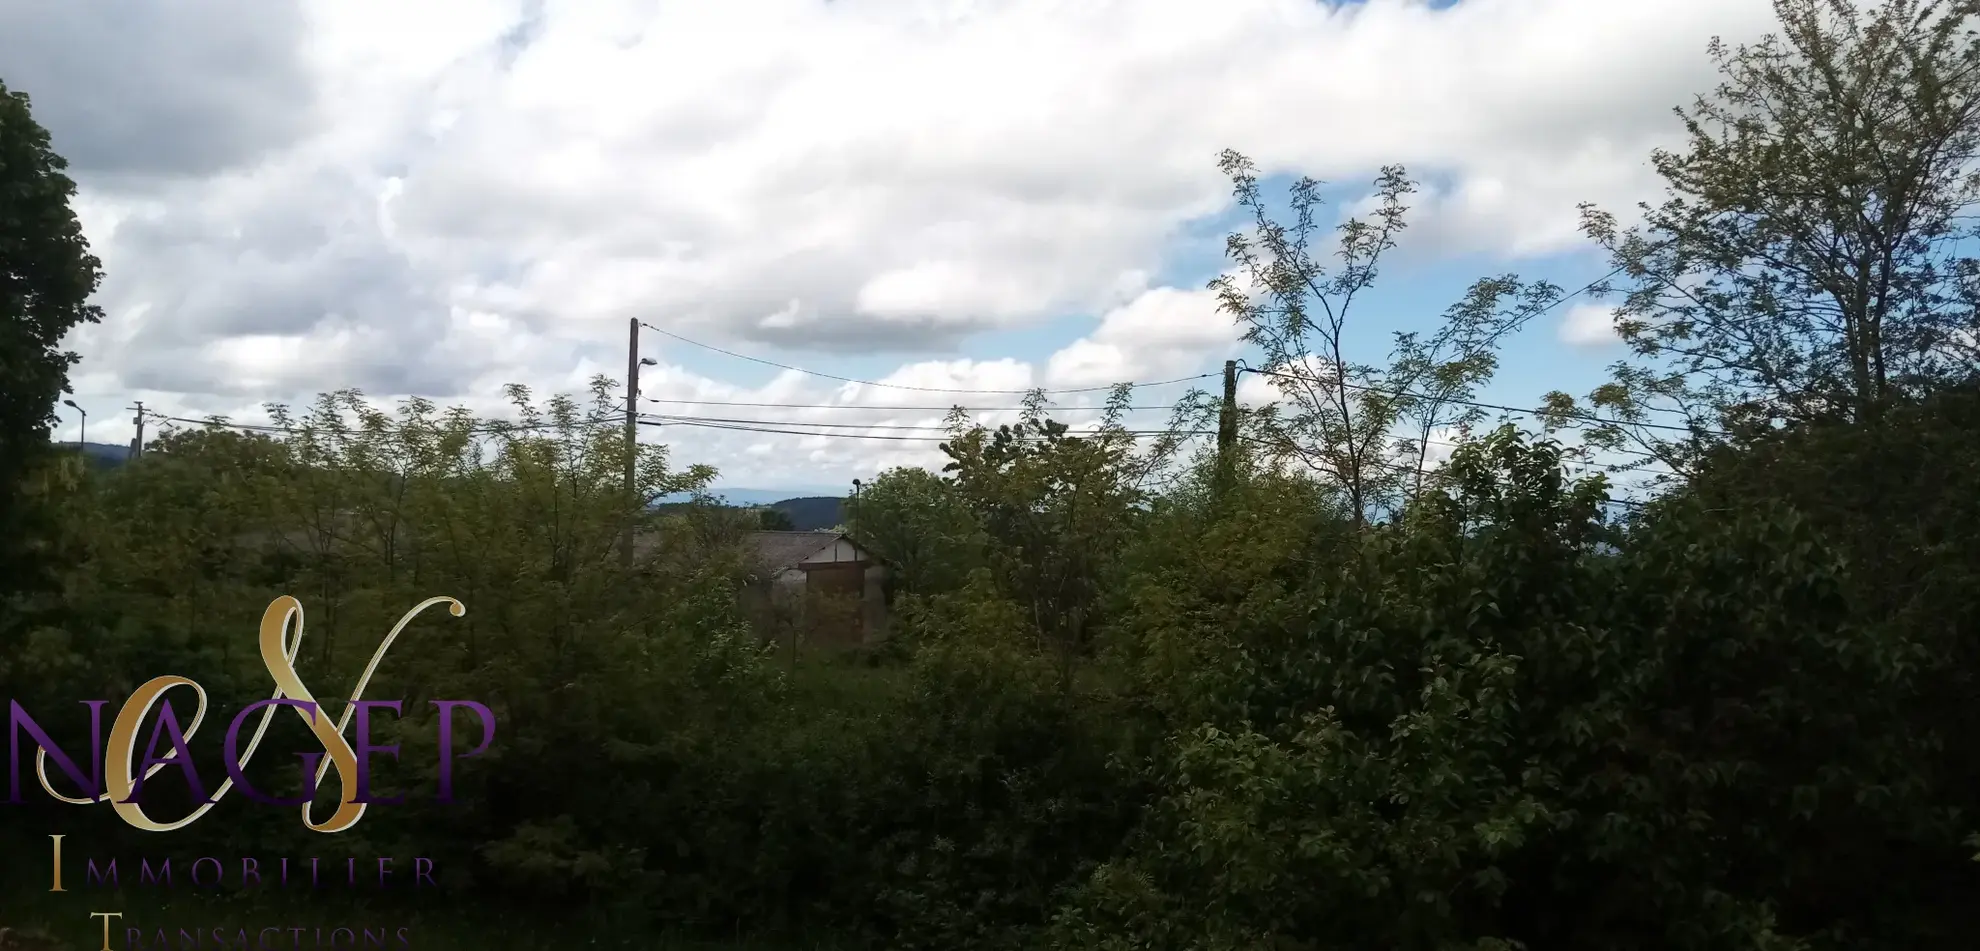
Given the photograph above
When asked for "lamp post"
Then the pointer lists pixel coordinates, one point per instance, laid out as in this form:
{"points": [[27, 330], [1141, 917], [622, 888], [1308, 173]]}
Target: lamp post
{"points": [[82, 437]]}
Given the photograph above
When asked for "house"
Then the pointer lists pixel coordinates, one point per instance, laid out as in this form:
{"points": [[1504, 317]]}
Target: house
{"points": [[822, 582]]}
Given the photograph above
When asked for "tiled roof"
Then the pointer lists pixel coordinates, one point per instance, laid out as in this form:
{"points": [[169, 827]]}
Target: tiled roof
{"points": [[776, 551]]}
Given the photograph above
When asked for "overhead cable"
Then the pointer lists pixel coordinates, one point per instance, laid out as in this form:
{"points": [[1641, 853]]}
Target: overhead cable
{"points": [[903, 386]]}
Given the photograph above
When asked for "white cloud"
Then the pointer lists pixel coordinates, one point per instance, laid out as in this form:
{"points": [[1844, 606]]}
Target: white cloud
{"points": [[1162, 333], [505, 181], [1589, 326]]}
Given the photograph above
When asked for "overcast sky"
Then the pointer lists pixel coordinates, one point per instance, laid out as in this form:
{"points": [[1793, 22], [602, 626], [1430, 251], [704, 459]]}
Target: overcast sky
{"points": [[438, 198]]}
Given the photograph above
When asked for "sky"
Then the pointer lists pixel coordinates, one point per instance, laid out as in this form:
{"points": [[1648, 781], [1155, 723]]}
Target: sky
{"points": [[441, 198]]}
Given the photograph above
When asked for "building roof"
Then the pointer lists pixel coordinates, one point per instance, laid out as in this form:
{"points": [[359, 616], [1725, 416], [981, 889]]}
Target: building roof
{"points": [[772, 552], [776, 551]]}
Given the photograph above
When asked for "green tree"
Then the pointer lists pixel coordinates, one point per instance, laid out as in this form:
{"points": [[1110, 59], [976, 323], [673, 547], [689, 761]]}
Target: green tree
{"points": [[918, 522], [46, 278], [1504, 722], [1358, 426], [1056, 509], [774, 520], [1812, 257]]}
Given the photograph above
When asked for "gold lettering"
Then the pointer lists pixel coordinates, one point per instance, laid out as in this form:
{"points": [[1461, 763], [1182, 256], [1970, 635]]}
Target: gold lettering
{"points": [[56, 865], [106, 916], [278, 655]]}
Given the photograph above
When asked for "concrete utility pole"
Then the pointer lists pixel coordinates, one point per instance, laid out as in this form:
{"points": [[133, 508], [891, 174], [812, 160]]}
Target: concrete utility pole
{"points": [[137, 441], [632, 438], [1227, 425]]}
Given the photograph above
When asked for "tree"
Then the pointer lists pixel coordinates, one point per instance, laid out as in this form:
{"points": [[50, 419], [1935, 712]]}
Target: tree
{"points": [[46, 277], [1363, 428], [1810, 260], [1055, 508], [915, 520], [774, 520]]}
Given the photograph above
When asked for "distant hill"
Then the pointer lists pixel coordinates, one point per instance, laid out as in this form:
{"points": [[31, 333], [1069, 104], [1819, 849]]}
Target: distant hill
{"points": [[749, 497], [807, 513], [101, 455], [811, 513]]}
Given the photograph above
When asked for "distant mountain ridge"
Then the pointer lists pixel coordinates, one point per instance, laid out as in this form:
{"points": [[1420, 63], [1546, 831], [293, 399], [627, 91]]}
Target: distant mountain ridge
{"points": [[101, 455], [813, 513], [808, 513]]}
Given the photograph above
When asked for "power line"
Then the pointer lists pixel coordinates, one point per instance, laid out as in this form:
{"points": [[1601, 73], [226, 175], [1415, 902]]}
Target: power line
{"points": [[779, 427], [485, 429], [770, 426], [774, 428], [786, 432], [1425, 470], [1364, 388], [1137, 432], [929, 409], [902, 386], [792, 422]]}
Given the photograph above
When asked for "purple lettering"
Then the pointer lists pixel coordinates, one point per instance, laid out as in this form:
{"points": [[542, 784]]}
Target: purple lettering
{"points": [[237, 773], [487, 718], [18, 720], [364, 749], [168, 726]]}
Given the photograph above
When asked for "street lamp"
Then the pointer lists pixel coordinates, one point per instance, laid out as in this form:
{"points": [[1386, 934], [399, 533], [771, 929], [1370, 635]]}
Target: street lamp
{"points": [[855, 511], [83, 436], [632, 385]]}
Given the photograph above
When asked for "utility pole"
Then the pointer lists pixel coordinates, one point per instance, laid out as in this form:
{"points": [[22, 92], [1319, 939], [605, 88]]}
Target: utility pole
{"points": [[137, 441], [632, 439], [852, 527], [1227, 427]]}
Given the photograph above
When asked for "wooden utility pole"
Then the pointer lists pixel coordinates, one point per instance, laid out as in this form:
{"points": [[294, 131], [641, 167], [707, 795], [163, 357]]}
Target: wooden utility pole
{"points": [[137, 441], [632, 439], [1227, 427]]}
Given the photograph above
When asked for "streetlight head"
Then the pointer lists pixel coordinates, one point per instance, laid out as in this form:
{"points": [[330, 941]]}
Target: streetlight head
{"points": [[648, 362], [72, 405]]}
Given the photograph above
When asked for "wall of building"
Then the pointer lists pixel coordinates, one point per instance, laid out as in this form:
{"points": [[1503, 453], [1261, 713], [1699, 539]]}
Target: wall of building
{"points": [[819, 586], [841, 550]]}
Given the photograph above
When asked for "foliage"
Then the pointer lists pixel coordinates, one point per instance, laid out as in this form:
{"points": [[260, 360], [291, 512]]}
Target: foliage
{"points": [[1811, 259], [1363, 428], [1054, 508], [46, 278], [924, 531], [773, 520], [1516, 725]]}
